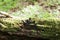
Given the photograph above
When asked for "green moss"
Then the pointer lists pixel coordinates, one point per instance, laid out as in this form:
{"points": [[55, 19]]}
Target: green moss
{"points": [[11, 24]]}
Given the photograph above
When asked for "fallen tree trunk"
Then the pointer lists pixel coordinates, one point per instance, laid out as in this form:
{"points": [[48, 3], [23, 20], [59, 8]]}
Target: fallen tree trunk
{"points": [[37, 28]]}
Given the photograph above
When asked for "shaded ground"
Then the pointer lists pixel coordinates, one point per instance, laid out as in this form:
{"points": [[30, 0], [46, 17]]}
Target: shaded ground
{"points": [[7, 36]]}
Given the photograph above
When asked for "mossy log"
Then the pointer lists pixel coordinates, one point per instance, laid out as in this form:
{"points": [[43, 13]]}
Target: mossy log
{"points": [[32, 27]]}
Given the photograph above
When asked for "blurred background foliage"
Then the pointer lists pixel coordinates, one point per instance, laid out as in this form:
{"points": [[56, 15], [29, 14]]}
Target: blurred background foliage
{"points": [[6, 5], [32, 7]]}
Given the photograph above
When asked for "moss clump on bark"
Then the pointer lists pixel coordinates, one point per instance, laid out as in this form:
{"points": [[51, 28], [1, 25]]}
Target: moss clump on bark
{"points": [[9, 24]]}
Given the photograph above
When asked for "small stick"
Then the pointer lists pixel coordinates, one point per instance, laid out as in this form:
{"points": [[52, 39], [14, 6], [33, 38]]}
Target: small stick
{"points": [[5, 14]]}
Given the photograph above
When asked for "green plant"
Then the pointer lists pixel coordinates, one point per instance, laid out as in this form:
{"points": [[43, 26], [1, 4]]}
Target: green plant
{"points": [[7, 4]]}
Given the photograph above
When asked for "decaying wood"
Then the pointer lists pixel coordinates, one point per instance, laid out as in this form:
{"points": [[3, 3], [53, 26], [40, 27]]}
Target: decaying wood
{"points": [[32, 27], [44, 28]]}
